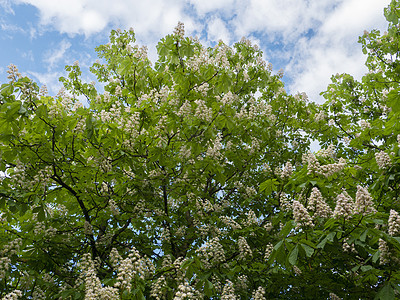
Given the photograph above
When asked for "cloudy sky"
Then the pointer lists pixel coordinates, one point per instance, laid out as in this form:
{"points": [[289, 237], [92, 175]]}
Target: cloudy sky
{"points": [[309, 39]]}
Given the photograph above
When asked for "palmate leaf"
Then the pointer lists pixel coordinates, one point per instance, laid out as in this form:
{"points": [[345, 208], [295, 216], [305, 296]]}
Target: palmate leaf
{"points": [[269, 186]]}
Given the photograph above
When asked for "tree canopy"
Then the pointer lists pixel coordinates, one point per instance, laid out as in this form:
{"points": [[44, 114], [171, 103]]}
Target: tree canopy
{"points": [[192, 178]]}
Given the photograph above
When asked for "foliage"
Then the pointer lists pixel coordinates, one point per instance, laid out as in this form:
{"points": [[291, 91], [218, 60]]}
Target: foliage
{"points": [[192, 178]]}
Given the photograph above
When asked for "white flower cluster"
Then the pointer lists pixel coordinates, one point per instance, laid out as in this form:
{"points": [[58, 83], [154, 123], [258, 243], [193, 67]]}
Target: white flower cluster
{"points": [[38, 294], [241, 283], [14, 295], [364, 124], [43, 92], [346, 140], [255, 145], [348, 247], [211, 253], [5, 263], [301, 216], [383, 160], [40, 229], [221, 59], [287, 170], [139, 53], [228, 98], [177, 265], [297, 270], [113, 207], [114, 113], [317, 204], [251, 219], [185, 110], [10, 249], [130, 267], [230, 222], [333, 296], [179, 30], [259, 294], [13, 74], [185, 291], [320, 116], [285, 203], [268, 251], [198, 60], [268, 226], [394, 223], [228, 292], [214, 150], [202, 89], [364, 203], [330, 169], [344, 206], [328, 152], [80, 126], [157, 288], [313, 165], [260, 108], [203, 112], [255, 110], [301, 96], [384, 252], [244, 248], [250, 191], [93, 287]]}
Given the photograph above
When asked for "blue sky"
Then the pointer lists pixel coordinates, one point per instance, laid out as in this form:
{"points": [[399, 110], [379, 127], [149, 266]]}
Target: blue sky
{"points": [[309, 39]]}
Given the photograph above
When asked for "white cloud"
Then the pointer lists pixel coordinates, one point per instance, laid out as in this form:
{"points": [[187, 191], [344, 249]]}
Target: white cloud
{"points": [[10, 29], [285, 19], [56, 55], [334, 48], [217, 30], [28, 55], [6, 5], [50, 79], [89, 16], [206, 6]]}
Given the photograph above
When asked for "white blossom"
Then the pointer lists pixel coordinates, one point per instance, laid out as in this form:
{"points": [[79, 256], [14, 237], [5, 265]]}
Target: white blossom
{"points": [[301, 215], [364, 203], [317, 204], [244, 248], [228, 292], [383, 160], [394, 223], [344, 206]]}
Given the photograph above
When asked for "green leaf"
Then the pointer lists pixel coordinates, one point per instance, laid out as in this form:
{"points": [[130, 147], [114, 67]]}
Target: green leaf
{"points": [[363, 236], [293, 255], [386, 293], [269, 186], [208, 288], [125, 66], [329, 237], [309, 251], [286, 229], [366, 268], [278, 245], [22, 110], [376, 256]]}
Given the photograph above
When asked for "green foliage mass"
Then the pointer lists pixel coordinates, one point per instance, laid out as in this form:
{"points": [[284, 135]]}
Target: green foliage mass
{"points": [[193, 178]]}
